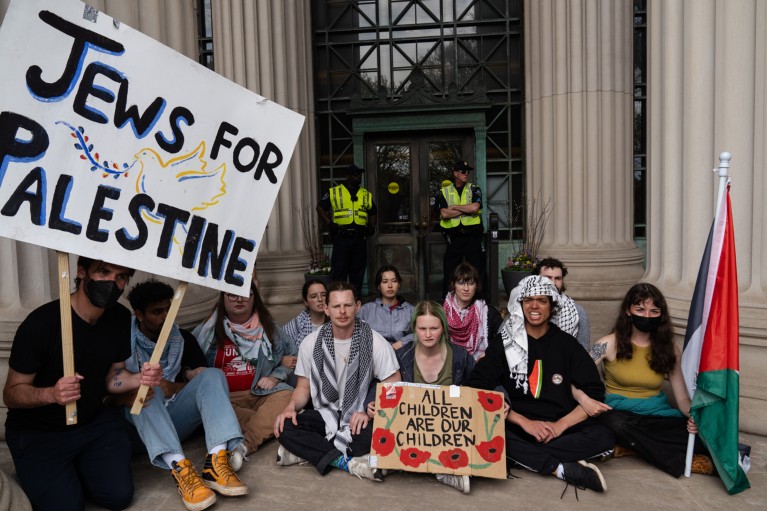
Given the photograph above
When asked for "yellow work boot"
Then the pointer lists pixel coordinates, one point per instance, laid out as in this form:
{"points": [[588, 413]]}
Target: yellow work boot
{"points": [[218, 475], [194, 493], [702, 464]]}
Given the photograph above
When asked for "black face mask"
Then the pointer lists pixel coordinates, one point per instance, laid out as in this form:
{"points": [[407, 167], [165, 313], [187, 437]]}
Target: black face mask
{"points": [[645, 324], [102, 293]]}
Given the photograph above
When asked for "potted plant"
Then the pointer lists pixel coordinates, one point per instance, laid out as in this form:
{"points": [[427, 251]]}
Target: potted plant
{"points": [[533, 219], [319, 263]]}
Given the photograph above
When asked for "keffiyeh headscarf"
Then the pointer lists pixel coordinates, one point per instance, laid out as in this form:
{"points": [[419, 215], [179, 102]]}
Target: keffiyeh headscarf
{"points": [[513, 330]]}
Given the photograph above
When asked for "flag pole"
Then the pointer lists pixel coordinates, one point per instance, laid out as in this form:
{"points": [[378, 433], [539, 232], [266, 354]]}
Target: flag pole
{"points": [[723, 171]]}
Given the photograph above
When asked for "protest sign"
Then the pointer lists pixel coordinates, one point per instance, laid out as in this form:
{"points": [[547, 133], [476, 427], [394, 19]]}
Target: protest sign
{"points": [[114, 146], [439, 429]]}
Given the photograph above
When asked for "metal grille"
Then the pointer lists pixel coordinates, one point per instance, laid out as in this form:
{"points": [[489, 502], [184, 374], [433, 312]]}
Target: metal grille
{"points": [[204, 34], [371, 47], [640, 118]]}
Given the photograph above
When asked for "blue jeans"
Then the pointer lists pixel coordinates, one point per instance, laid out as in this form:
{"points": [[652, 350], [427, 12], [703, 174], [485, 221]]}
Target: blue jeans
{"points": [[164, 423]]}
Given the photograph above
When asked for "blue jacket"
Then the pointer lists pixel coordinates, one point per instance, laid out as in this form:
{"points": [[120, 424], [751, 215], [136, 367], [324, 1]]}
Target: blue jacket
{"points": [[463, 363]]}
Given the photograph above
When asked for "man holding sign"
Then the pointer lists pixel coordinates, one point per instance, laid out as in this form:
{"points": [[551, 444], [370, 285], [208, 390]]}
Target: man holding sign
{"points": [[58, 465], [336, 365], [536, 362]]}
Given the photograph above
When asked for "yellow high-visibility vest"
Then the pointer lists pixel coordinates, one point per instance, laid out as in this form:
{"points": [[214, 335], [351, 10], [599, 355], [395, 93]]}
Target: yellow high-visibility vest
{"points": [[345, 210], [452, 198]]}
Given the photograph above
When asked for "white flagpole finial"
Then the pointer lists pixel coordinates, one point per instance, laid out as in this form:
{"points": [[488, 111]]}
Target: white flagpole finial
{"points": [[724, 164]]}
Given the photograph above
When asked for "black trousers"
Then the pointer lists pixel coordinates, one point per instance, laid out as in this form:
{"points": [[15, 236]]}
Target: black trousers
{"points": [[307, 440], [580, 442], [58, 469], [660, 440], [458, 249], [348, 260]]}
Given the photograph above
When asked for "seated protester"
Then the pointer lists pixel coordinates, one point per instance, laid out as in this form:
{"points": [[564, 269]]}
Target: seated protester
{"points": [[242, 340], [432, 359], [312, 317], [637, 356], [546, 430], [472, 321], [59, 464], [190, 394], [571, 318], [389, 314], [336, 365]]}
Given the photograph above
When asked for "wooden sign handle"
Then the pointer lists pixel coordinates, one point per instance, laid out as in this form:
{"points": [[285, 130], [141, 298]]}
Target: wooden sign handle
{"points": [[138, 404], [67, 350]]}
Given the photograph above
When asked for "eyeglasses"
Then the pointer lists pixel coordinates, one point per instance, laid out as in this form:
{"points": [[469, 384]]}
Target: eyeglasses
{"points": [[464, 172], [470, 282], [233, 297]]}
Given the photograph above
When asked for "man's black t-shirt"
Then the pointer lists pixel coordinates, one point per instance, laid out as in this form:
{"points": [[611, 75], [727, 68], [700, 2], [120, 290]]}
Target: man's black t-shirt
{"points": [[37, 350]]}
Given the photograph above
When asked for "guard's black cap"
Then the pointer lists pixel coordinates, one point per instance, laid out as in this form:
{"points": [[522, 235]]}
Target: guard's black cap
{"points": [[462, 165], [353, 169]]}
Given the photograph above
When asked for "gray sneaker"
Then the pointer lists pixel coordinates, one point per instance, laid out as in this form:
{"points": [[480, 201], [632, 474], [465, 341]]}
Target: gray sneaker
{"points": [[237, 456], [460, 483], [360, 466], [287, 458]]}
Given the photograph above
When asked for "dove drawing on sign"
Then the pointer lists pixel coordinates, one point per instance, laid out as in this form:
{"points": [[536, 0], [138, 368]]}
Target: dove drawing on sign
{"points": [[185, 178]]}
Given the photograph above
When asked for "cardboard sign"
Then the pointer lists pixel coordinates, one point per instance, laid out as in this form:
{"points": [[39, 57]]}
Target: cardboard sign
{"points": [[116, 147], [439, 429]]}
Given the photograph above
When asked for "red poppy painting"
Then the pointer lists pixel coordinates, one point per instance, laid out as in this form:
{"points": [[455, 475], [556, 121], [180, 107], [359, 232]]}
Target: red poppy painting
{"points": [[390, 396], [491, 402], [413, 457], [383, 442], [492, 450], [454, 458]]}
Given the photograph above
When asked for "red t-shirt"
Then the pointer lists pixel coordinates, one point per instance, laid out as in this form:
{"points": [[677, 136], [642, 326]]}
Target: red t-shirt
{"points": [[239, 373]]}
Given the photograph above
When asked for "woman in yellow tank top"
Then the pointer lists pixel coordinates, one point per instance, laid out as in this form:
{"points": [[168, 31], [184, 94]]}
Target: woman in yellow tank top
{"points": [[637, 356]]}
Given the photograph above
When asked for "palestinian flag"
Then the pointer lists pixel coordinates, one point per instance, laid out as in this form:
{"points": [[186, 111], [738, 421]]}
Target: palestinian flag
{"points": [[710, 357]]}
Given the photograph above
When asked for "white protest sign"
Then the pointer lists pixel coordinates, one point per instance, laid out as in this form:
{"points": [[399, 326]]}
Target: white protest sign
{"points": [[116, 147]]}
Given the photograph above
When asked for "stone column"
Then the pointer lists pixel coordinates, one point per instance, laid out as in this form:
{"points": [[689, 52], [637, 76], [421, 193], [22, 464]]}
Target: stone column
{"points": [[708, 77], [578, 56], [265, 46]]}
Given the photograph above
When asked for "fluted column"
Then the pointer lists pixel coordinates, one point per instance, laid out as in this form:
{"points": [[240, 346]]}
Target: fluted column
{"points": [[265, 46], [708, 78], [578, 56]]}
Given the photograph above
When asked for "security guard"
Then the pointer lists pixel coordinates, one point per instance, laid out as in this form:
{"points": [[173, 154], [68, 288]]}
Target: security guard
{"points": [[353, 219], [460, 213]]}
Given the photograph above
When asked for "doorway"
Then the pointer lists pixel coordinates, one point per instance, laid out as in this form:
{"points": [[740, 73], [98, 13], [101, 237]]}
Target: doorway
{"points": [[406, 172]]}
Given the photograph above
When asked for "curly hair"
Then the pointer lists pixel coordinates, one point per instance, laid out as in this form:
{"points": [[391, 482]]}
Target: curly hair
{"points": [[149, 292], [551, 262], [662, 356], [259, 308]]}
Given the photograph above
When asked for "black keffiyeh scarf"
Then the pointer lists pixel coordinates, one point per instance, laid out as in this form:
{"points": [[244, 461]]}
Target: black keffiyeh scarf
{"points": [[324, 384]]}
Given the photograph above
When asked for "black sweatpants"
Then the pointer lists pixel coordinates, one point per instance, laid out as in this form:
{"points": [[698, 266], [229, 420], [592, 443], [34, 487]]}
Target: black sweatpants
{"points": [[660, 440], [307, 440], [580, 442]]}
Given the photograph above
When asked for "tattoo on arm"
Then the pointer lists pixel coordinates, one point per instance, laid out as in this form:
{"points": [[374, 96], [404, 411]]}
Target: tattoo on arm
{"points": [[598, 351]]}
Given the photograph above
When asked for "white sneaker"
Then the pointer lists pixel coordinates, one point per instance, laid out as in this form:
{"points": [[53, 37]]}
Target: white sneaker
{"points": [[360, 466], [287, 458], [237, 456], [460, 483]]}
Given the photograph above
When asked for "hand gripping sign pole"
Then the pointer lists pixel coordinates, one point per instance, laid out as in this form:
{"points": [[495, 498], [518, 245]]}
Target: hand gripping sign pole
{"points": [[138, 404], [65, 308]]}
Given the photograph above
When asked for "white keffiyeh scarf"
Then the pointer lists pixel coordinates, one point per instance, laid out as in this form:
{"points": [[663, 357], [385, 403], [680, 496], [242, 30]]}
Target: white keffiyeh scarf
{"points": [[513, 330]]}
